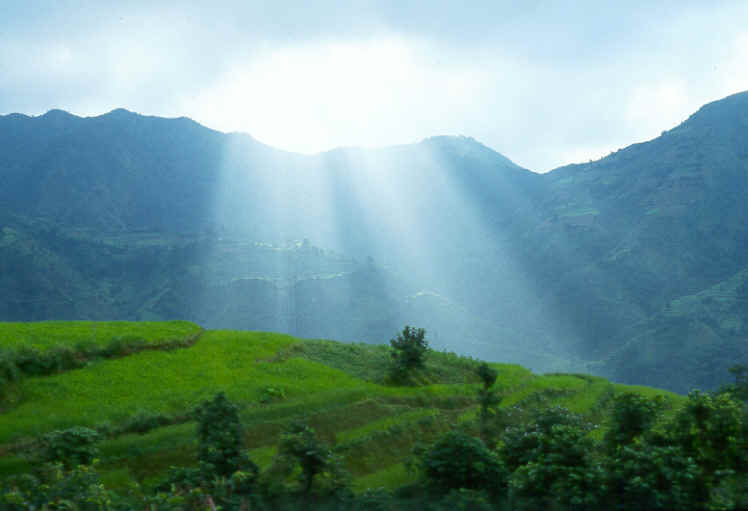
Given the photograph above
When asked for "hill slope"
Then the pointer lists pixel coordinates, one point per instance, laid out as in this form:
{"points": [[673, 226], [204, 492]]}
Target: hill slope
{"points": [[143, 402]]}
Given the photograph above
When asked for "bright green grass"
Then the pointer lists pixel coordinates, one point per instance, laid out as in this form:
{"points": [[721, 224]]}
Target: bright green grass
{"points": [[47, 334], [337, 388], [169, 383]]}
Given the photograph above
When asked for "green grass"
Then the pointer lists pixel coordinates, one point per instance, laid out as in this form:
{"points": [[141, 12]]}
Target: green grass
{"points": [[167, 382], [44, 335], [339, 389]]}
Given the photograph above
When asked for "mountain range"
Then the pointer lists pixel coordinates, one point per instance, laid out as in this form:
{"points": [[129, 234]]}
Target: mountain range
{"points": [[634, 266]]}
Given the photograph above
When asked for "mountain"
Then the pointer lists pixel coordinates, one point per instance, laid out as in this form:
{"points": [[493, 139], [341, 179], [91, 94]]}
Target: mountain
{"points": [[630, 266], [635, 235]]}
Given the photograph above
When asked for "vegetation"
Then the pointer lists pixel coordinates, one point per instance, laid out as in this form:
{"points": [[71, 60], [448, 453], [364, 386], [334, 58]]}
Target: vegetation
{"points": [[409, 352], [327, 438]]}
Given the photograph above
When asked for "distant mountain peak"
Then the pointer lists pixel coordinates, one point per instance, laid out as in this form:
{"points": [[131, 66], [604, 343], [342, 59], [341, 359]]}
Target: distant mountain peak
{"points": [[57, 113], [120, 112], [466, 146]]}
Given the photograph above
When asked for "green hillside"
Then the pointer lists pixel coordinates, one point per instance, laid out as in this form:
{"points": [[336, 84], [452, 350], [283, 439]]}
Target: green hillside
{"points": [[341, 389]]}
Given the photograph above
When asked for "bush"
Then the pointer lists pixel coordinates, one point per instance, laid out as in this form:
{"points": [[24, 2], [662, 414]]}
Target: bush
{"points": [[70, 447], [460, 461], [219, 436], [633, 415], [643, 476]]}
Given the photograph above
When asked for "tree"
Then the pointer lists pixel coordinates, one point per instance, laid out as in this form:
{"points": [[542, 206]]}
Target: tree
{"points": [[488, 399], [70, 447], [639, 475], [300, 444], [459, 461], [219, 440], [551, 463], [709, 430], [633, 415], [409, 351]]}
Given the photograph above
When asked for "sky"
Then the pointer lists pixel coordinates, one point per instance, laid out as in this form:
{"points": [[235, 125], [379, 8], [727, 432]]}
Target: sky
{"points": [[545, 83]]}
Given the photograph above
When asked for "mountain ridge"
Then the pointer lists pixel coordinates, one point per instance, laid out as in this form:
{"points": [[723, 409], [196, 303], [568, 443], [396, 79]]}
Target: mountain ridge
{"points": [[575, 263]]}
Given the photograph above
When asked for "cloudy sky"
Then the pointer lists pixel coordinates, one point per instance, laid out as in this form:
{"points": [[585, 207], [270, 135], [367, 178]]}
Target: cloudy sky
{"points": [[545, 83]]}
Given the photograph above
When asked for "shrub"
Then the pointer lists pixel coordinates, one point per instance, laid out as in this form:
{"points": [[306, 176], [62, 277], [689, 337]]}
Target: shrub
{"points": [[219, 436], [644, 476], [458, 461], [633, 415], [70, 447]]}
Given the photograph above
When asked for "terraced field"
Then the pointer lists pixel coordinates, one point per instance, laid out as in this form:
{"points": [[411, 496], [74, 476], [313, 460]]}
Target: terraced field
{"points": [[143, 402], [45, 335]]}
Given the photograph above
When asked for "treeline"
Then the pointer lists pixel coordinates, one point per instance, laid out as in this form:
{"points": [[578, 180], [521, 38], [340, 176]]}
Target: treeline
{"points": [[509, 458]]}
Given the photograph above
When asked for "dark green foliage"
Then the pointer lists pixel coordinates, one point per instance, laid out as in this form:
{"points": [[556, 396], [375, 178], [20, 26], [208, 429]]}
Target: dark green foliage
{"points": [[300, 445], [710, 430], [523, 443], [559, 471], [487, 375], [36, 363], [632, 416], [9, 372], [488, 400], [70, 447], [644, 476], [142, 422], [458, 461], [550, 462], [409, 352], [219, 436], [57, 488]]}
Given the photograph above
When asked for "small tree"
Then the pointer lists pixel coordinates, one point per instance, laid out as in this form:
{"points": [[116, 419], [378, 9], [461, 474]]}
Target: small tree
{"points": [[633, 415], [299, 444], [219, 436], [70, 447], [460, 461], [409, 351], [488, 399]]}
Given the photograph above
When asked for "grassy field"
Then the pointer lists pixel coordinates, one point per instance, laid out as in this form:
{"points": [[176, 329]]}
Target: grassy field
{"points": [[339, 389], [44, 335]]}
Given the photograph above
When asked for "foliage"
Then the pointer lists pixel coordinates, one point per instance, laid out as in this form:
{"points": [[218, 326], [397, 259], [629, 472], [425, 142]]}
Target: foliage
{"points": [[709, 429], [633, 415], [58, 488], [70, 447], [409, 351], [644, 476], [300, 445], [488, 400], [487, 375], [219, 436], [550, 463], [458, 461]]}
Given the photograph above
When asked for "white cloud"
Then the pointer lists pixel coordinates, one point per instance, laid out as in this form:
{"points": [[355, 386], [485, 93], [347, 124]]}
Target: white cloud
{"points": [[541, 83]]}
